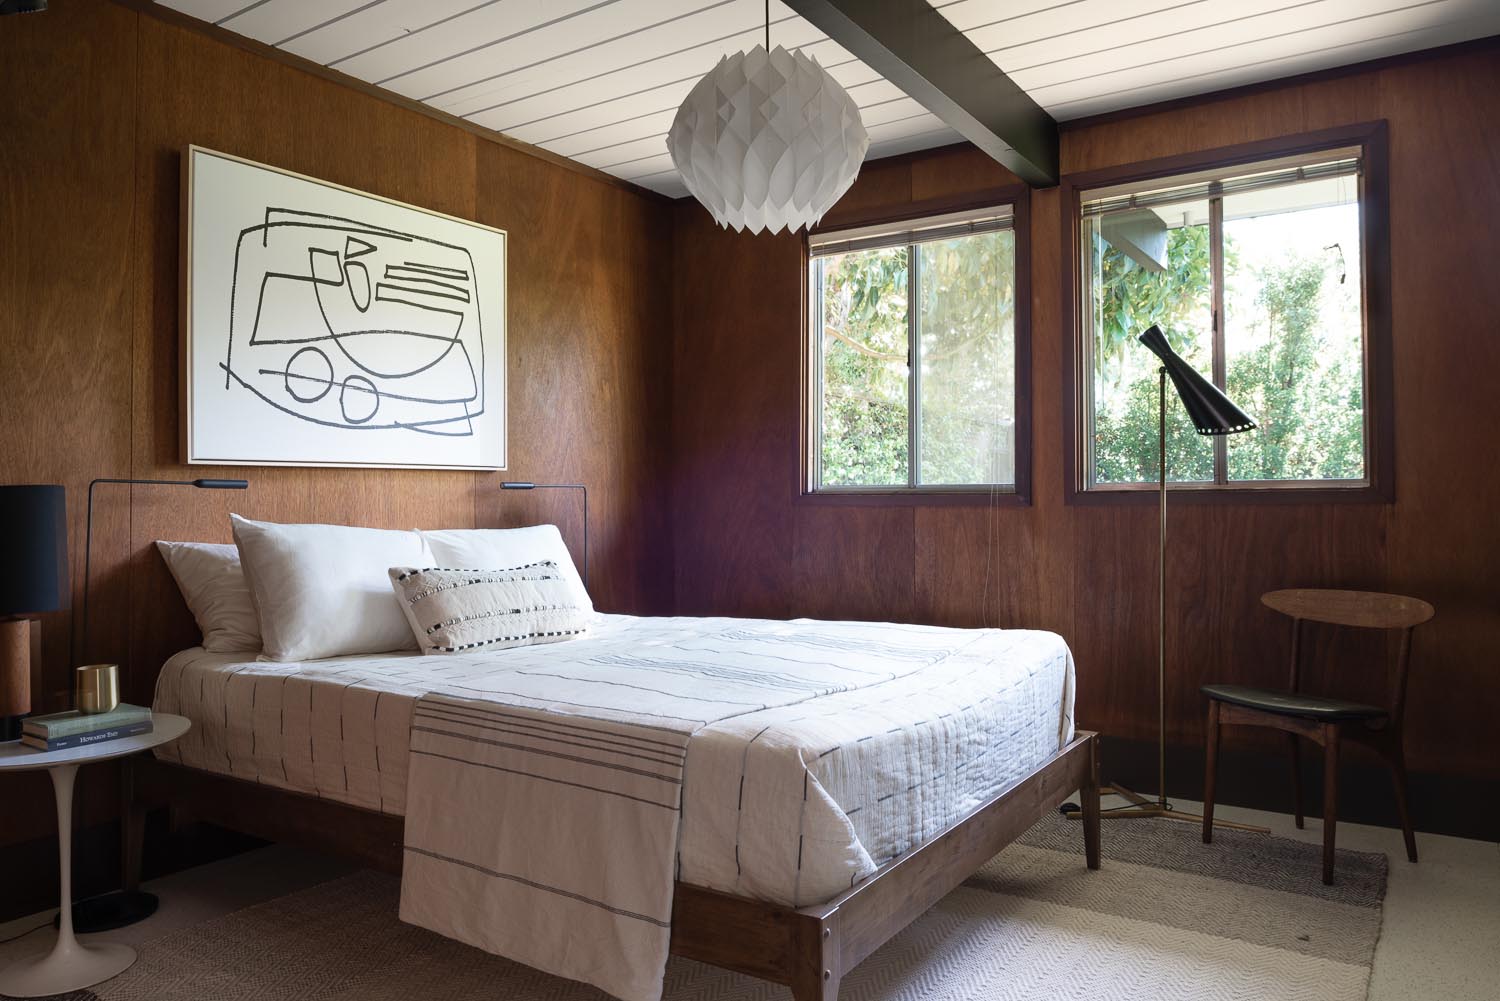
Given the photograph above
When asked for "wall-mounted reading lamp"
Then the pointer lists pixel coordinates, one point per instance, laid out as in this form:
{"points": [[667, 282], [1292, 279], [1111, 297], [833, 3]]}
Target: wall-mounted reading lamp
{"points": [[128, 905], [522, 485]]}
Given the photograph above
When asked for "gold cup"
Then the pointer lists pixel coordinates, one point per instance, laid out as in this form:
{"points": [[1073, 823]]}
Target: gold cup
{"points": [[98, 688]]}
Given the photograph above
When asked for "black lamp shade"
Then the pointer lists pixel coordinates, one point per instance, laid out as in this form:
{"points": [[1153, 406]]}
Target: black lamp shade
{"points": [[33, 549], [1210, 410]]}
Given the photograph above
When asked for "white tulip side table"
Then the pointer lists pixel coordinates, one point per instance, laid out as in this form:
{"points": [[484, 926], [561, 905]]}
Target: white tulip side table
{"points": [[71, 965]]}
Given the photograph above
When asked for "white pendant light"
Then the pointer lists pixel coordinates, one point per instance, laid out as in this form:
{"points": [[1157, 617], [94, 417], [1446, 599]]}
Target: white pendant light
{"points": [[768, 140]]}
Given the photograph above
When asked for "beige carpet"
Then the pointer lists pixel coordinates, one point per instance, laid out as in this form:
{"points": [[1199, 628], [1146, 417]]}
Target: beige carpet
{"points": [[1167, 917]]}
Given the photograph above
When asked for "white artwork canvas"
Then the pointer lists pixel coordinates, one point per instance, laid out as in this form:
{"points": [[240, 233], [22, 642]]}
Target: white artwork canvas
{"points": [[327, 327]]}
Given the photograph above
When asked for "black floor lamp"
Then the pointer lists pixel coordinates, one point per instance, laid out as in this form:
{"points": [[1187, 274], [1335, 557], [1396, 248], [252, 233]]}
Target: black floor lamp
{"points": [[129, 905], [1212, 414]]}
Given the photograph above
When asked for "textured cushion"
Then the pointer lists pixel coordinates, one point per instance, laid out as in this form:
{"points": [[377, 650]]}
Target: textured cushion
{"points": [[507, 547], [322, 590], [212, 583], [1293, 703], [455, 610]]}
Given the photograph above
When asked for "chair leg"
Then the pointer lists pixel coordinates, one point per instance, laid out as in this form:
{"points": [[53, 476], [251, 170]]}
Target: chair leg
{"points": [[1210, 770], [1397, 760], [1330, 796], [1296, 747]]}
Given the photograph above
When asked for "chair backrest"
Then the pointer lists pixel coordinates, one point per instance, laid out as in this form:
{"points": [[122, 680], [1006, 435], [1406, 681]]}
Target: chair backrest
{"points": [[1362, 610]]}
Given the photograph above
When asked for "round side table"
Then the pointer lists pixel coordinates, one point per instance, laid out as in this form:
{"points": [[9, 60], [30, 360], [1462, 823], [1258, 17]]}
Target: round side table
{"points": [[71, 965]]}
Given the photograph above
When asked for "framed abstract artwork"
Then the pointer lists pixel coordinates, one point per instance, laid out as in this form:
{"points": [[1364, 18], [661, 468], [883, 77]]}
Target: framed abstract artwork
{"points": [[322, 326]]}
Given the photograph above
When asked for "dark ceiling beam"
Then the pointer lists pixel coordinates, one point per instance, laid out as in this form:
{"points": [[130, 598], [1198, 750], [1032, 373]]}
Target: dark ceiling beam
{"points": [[914, 47]]}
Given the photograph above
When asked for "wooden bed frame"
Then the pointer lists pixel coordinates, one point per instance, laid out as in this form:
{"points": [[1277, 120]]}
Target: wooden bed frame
{"points": [[808, 949]]}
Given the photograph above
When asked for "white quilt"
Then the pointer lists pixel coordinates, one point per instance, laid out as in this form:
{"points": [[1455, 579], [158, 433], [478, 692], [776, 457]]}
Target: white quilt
{"points": [[571, 783]]}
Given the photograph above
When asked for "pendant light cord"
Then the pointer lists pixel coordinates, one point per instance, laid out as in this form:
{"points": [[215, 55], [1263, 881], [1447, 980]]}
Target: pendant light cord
{"points": [[768, 25]]}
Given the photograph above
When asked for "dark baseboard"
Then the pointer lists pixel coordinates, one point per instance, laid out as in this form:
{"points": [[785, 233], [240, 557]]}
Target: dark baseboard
{"points": [[31, 867], [1261, 780]]}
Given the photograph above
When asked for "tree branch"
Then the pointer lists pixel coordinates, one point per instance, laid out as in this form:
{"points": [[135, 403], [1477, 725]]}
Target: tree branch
{"points": [[863, 349]]}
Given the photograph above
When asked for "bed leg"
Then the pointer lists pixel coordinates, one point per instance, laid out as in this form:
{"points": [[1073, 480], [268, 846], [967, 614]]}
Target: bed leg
{"points": [[817, 973], [1089, 794]]}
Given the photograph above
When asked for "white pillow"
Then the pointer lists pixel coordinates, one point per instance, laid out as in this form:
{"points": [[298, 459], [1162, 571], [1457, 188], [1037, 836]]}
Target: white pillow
{"points": [[466, 548], [322, 590], [209, 576], [452, 611]]}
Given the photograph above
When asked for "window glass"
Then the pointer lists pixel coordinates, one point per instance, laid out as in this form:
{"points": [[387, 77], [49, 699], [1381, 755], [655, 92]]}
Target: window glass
{"points": [[968, 378], [1255, 276], [914, 355]]}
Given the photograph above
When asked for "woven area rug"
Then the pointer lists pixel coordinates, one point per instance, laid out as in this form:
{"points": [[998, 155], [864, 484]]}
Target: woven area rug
{"points": [[1166, 917]]}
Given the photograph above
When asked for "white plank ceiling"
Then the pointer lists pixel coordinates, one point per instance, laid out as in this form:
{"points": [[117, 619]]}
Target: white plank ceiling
{"points": [[600, 80]]}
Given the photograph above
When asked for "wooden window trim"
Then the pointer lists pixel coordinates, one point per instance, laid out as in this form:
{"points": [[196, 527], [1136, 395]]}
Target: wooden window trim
{"points": [[1379, 486], [1018, 198]]}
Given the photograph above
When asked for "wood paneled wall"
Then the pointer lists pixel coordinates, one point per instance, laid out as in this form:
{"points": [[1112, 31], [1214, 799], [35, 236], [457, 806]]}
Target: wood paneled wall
{"points": [[657, 359], [747, 544], [99, 102]]}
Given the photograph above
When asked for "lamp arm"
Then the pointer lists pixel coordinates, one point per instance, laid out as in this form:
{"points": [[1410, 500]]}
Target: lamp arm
{"points": [[585, 491], [528, 485], [88, 537]]}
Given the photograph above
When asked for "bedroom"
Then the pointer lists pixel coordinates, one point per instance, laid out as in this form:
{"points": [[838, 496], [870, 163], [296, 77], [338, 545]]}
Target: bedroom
{"points": [[665, 384]]}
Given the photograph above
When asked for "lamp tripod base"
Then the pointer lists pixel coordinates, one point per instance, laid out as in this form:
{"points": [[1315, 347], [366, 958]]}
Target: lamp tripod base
{"points": [[1141, 807]]}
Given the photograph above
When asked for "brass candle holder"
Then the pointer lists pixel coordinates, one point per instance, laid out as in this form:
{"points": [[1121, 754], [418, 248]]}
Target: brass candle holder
{"points": [[97, 689]]}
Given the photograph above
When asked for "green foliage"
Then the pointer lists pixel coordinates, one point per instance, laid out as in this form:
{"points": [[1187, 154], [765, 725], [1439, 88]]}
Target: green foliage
{"points": [[1306, 394], [1294, 363], [864, 368], [966, 311], [1128, 298], [967, 325], [1293, 367]]}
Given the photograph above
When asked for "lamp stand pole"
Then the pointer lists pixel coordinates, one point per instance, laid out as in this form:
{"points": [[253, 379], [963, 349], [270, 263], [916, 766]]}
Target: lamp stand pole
{"points": [[1138, 805], [130, 904]]}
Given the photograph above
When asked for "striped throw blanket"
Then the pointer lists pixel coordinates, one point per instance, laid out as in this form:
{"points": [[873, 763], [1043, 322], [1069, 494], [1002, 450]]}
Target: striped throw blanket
{"points": [[544, 802]]}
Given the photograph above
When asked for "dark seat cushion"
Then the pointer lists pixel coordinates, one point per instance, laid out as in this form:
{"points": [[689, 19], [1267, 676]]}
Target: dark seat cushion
{"points": [[1292, 703]]}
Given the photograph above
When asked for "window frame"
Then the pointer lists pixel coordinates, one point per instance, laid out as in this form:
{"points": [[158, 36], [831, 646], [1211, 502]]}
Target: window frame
{"points": [[1018, 199], [1378, 486]]}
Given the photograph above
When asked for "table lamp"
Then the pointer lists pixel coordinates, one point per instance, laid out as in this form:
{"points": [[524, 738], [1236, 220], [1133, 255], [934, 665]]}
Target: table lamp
{"points": [[34, 553]]}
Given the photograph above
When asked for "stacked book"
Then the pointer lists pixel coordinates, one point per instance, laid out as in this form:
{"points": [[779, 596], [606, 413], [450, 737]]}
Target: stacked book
{"points": [[75, 729]]}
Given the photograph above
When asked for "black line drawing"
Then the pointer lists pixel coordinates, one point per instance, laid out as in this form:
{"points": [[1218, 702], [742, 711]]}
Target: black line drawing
{"points": [[347, 324]]}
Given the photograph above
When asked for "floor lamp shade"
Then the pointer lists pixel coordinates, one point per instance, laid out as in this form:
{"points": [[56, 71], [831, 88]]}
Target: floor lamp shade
{"points": [[1211, 412], [34, 553]]}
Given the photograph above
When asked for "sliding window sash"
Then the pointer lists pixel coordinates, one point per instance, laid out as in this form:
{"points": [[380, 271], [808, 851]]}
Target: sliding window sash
{"points": [[1097, 203], [884, 237]]}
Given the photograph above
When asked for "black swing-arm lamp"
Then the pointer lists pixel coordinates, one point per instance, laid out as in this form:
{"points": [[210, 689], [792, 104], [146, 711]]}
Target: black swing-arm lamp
{"points": [[88, 535], [527, 485], [1212, 414], [130, 904]]}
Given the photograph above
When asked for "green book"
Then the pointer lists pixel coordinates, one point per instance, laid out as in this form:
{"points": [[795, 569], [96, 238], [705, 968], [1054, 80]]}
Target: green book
{"points": [[73, 722]]}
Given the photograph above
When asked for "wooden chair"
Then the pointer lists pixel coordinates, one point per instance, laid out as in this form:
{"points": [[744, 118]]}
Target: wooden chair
{"points": [[1324, 720]]}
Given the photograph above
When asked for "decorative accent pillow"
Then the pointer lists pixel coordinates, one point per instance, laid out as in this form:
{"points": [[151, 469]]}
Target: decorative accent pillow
{"points": [[451, 611], [507, 547], [212, 583], [322, 591]]}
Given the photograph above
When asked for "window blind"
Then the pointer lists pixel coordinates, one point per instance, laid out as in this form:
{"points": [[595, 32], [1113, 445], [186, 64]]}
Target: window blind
{"points": [[1094, 203], [898, 234]]}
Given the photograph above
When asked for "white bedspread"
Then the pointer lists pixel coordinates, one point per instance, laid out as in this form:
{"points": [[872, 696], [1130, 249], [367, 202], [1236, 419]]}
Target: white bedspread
{"points": [[797, 756]]}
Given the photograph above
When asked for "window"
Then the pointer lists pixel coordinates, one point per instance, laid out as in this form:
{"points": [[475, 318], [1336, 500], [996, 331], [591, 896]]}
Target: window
{"points": [[1257, 275], [912, 380]]}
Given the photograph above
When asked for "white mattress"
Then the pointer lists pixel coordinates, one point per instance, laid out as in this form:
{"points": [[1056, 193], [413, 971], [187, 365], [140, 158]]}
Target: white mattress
{"points": [[958, 716]]}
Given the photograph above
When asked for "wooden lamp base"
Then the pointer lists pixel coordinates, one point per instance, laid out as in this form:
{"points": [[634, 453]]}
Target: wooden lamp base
{"points": [[15, 675]]}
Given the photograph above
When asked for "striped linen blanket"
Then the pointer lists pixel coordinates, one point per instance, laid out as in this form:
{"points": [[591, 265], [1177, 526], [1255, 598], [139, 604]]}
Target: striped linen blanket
{"points": [[549, 801]]}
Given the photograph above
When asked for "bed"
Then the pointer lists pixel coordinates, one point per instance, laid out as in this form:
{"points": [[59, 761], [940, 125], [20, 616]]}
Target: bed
{"points": [[837, 778]]}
